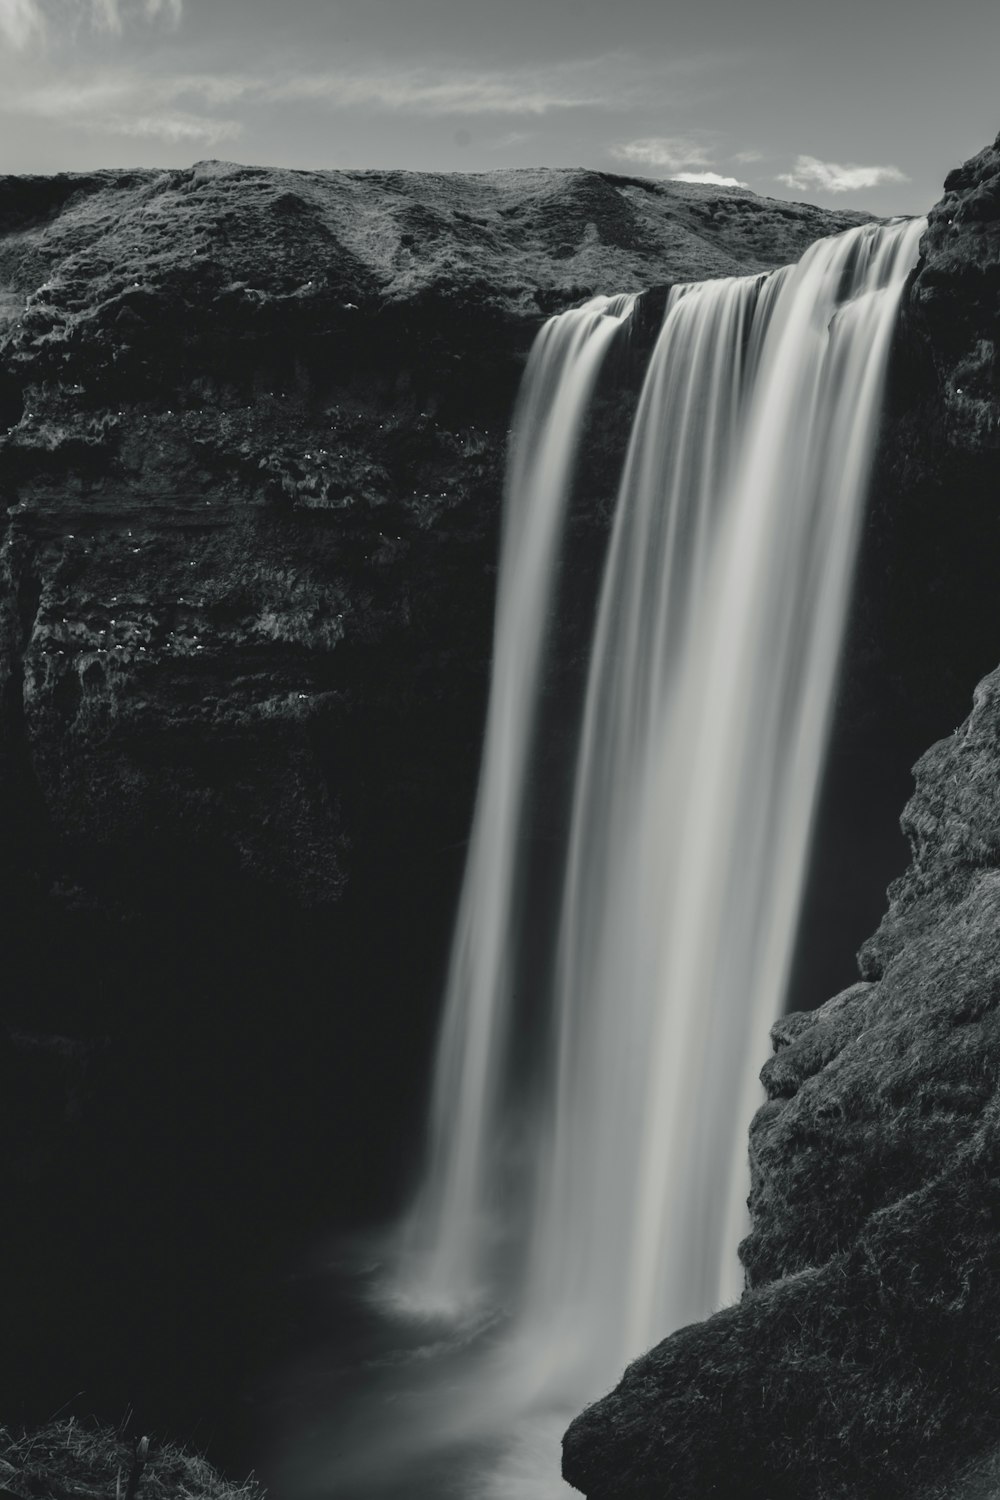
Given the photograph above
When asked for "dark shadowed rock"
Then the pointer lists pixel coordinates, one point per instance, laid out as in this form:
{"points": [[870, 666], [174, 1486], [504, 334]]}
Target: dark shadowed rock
{"points": [[863, 1359]]}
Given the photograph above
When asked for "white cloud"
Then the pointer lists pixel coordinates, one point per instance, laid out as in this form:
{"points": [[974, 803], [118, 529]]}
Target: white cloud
{"points": [[810, 174], [710, 179], [23, 22], [672, 152], [174, 128], [744, 158]]}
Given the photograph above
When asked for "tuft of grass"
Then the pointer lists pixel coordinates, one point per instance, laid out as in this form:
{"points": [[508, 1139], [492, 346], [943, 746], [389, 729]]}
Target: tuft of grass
{"points": [[69, 1460]]}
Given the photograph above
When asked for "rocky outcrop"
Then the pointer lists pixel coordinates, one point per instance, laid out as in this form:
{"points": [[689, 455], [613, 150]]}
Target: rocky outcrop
{"points": [[863, 1358]]}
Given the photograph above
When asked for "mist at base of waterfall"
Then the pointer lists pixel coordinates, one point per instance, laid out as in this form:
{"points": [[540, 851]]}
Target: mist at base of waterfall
{"points": [[386, 1405]]}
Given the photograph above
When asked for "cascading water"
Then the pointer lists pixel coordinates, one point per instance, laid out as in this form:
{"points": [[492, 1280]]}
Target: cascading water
{"points": [[448, 1235], [706, 712]]}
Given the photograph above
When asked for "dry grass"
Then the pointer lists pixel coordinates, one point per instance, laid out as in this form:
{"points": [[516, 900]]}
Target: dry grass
{"points": [[67, 1460]]}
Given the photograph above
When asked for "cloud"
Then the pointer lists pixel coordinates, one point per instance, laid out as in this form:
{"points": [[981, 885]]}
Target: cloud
{"points": [[710, 179], [810, 174], [24, 22], [174, 128], [744, 158], [121, 103], [428, 91], [136, 99], [416, 90], [671, 152], [511, 139], [21, 22], [90, 100]]}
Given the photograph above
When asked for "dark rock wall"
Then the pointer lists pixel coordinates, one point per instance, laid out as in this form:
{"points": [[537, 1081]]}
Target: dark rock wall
{"points": [[863, 1358]]}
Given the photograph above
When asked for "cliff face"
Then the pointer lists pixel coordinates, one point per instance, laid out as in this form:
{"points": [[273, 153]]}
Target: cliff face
{"points": [[253, 428], [255, 424], [863, 1358]]}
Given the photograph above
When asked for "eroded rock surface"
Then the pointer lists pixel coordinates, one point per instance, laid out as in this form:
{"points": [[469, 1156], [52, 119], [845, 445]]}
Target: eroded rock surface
{"points": [[863, 1359]]}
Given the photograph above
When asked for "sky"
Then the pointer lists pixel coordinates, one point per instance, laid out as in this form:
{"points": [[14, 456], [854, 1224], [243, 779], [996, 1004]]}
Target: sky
{"points": [[858, 103]]}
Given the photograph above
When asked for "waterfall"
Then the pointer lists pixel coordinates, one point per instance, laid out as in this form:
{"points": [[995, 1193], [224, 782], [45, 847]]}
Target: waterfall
{"points": [[448, 1234], [712, 674]]}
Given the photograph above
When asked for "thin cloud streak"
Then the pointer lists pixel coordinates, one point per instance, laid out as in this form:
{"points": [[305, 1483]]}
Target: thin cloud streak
{"points": [[614, 83], [512, 140], [670, 152], [421, 93], [176, 129], [177, 107], [812, 175]]}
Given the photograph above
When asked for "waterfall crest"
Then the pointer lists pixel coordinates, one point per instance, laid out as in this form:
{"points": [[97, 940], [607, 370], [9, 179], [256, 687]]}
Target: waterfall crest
{"points": [[705, 717]]}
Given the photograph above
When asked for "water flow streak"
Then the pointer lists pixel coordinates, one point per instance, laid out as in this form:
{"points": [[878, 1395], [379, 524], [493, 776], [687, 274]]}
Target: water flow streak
{"points": [[674, 476], [705, 719], [448, 1236]]}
